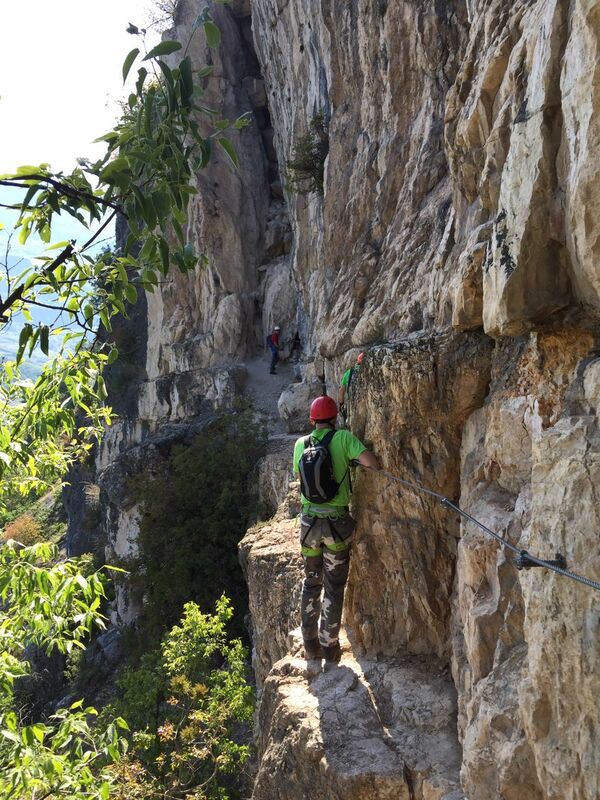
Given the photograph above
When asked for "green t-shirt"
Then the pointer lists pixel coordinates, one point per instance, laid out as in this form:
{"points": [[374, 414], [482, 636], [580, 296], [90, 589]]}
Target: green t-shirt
{"points": [[344, 447], [346, 376]]}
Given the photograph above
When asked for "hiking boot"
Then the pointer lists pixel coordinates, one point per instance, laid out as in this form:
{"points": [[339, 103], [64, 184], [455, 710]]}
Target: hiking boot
{"points": [[332, 652], [312, 649]]}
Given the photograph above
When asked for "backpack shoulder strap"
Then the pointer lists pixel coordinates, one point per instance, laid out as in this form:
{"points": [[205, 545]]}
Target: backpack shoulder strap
{"points": [[328, 437]]}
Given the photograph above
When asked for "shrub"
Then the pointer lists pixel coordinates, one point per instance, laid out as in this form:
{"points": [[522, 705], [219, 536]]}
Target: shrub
{"points": [[185, 704], [24, 529], [305, 171], [46, 511], [193, 518], [53, 608]]}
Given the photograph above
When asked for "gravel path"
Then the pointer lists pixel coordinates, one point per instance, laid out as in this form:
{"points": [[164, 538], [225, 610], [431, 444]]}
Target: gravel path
{"points": [[264, 389]]}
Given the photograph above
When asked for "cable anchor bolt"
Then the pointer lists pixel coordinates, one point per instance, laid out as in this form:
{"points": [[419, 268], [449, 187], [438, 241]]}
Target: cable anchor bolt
{"points": [[523, 561]]}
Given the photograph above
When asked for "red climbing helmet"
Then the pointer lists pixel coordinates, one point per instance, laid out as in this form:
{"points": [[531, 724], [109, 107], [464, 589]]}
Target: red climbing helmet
{"points": [[359, 358], [323, 409]]}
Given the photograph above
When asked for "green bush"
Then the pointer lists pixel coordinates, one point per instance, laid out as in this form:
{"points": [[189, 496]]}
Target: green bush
{"points": [[192, 520], [50, 606], [185, 704], [305, 170]]}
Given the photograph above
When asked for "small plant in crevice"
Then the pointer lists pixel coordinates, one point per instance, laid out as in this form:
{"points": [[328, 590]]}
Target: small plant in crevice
{"points": [[305, 171]]}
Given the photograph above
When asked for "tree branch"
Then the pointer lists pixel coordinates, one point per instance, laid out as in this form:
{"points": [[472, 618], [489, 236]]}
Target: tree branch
{"points": [[17, 294], [64, 188]]}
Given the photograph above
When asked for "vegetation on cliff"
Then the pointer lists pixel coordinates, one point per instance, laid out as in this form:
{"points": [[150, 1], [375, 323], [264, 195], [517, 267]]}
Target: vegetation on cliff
{"points": [[146, 175], [48, 604], [193, 518], [54, 608], [306, 169], [186, 702]]}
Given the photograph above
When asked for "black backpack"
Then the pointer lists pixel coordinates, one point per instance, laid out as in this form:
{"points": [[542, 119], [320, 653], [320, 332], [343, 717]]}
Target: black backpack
{"points": [[317, 481]]}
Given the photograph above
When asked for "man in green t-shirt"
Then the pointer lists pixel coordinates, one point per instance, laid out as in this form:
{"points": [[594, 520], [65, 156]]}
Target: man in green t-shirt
{"points": [[325, 535], [345, 384]]}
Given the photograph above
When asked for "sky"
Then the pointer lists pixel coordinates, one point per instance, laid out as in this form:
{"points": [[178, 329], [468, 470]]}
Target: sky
{"points": [[60, 76], [60, 83]]}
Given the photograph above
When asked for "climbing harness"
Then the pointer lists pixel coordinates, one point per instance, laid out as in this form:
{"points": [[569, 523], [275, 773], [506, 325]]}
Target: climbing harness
{"points": [[524, 560]]}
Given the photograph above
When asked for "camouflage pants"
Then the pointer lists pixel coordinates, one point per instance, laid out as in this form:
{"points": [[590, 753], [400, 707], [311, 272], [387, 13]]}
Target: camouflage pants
{"points": [[325, 547]]}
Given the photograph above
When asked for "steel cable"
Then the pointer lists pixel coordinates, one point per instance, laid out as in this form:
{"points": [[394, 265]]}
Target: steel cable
{"points": [[523, 555]]}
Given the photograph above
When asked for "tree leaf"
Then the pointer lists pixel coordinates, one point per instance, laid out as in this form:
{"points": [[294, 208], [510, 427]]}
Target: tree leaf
{"points": [[111, 136], [24, 336], [105, 319], [88, 313], [44, 337], [127, 64], [178, 230], [30, 193], [164, 254], [118, 164], [163, 49], [148, 110], [212, 33], [131, 293], [170, 84], [166, 71], [186, 82], [148, 249], [229, 149], [112, 356]]}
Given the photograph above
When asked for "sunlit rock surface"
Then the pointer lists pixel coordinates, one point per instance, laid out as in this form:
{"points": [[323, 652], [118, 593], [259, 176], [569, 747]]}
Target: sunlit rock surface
{"points": [[460, 192], [455, 243]]}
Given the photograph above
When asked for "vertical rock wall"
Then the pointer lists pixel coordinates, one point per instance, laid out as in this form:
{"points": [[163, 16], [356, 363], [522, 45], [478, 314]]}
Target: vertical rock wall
{"points": [[459, 196], [455, 243], [185, 347]]}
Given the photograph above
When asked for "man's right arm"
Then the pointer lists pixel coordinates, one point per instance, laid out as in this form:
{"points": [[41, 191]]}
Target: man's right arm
{"points": [[356, 451], [369, 460]]}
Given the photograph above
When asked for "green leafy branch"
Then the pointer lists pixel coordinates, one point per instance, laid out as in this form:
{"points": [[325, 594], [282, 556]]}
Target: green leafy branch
{"points": [[147, 176], [54, 607]]}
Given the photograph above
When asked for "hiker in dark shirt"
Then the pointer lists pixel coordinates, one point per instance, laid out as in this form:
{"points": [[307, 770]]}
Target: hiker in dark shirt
{"points": [[273, 344]]}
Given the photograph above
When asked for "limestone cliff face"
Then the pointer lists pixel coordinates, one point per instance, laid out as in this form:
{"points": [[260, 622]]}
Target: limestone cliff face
{"points": [[197, 329], [456, 244], [459, 196]]}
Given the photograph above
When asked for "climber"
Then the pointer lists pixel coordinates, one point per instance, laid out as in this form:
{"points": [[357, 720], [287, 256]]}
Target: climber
{"points": [[345, 387], [273, 344], [326, 527]]}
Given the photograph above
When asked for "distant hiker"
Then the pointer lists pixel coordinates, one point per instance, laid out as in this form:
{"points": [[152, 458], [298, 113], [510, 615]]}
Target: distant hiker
{"points": [[273, 344], [345, 386], [326, 527]]}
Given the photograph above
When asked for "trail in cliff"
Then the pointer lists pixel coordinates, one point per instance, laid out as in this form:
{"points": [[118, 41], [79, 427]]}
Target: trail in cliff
{"points": [[265, 389]]}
